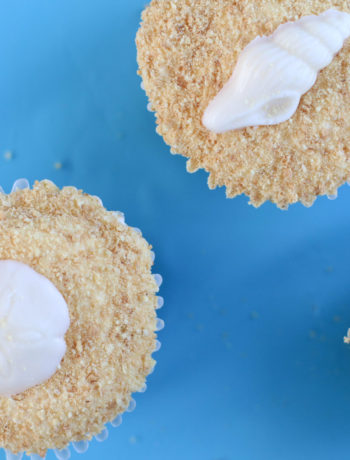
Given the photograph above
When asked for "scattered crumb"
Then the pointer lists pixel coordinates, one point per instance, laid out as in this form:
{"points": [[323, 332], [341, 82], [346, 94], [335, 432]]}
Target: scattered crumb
{"points": [[336, 319], [254, 315], [8, 155], [225, 338], [58, 165], [133, 439], [312, 334]]}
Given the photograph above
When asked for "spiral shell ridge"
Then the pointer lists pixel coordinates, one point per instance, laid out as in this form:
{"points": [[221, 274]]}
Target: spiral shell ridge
{"points": [[272, 73]]}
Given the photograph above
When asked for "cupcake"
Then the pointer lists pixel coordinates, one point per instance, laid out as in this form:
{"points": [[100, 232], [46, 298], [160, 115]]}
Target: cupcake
{"points": [[204, 59], [77, 318]]}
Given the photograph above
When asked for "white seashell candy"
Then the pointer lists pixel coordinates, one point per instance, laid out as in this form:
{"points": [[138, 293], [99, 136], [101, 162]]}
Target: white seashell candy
{"points": [[272, 73]]}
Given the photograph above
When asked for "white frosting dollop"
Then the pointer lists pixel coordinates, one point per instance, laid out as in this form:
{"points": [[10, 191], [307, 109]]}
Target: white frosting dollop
{"points": [[272, 73], [33, 321]]}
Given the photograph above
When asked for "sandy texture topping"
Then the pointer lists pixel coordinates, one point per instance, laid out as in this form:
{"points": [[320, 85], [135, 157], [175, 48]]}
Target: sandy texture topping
{"points": [[187, 50], [103, 270]]}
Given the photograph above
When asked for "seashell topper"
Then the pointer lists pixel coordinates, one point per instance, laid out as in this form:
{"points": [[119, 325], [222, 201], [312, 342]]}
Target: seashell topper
{"points": [[272, 73]]}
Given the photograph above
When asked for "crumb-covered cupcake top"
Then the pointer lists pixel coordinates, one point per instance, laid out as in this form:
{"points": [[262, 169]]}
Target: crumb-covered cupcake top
{"points": [[187, 50], [102, 268]]}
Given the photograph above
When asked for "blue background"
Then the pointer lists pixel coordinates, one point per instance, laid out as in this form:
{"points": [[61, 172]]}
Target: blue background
{"points": [[253, 365]]}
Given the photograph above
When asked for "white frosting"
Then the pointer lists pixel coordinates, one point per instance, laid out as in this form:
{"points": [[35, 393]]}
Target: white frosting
{"points": [[33, 320], [272, 73]]}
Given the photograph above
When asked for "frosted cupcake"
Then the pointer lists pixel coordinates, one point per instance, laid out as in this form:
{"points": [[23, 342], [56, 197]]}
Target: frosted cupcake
{"points": [[77, 318], [260, 104]]}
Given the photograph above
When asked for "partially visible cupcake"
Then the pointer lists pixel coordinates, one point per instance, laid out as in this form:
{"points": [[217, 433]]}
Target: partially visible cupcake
{"points": [[77, 318], [187, 53]]}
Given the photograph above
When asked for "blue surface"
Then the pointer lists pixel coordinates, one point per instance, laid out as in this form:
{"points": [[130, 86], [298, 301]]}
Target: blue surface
{"points": [[257, 301]]}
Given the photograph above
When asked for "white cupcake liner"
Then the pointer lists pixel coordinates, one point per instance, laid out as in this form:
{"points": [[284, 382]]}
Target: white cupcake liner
{"points": [[333, 197], [149, 104], [82, 446]]}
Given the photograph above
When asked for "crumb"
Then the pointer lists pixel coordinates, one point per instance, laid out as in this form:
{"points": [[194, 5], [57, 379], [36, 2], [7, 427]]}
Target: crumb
{"points": [[186, 52], [8, 155], [312, 334], [226, 340], [57, 165], [254, 315]]}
